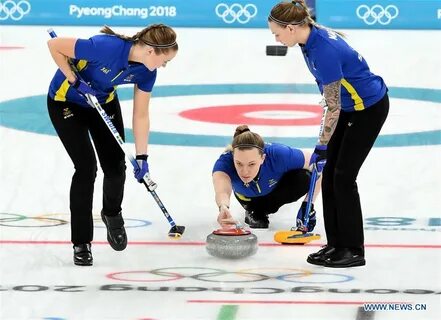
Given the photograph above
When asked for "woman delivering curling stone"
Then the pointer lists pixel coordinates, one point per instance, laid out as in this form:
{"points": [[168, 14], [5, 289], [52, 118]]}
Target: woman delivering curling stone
{"points": [[263, 177], [104, 62], [357, 106]]}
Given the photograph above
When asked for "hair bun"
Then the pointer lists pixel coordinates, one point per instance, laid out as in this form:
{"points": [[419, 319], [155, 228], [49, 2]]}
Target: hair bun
{"points": [[241, 129]]}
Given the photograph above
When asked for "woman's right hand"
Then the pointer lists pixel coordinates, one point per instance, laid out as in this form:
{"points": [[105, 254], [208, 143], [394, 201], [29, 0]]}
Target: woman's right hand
{"points": [[225, 219]]}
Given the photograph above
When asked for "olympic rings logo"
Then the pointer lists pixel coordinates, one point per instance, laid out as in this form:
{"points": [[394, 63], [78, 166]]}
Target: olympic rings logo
{"points": [[377, 13], [236, 12], [55, 220], [22, 221], [15, 11], [223, 276]]}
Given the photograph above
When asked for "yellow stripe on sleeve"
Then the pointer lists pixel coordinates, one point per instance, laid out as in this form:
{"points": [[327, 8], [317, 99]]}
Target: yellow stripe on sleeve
{"points": [[358, 102]]}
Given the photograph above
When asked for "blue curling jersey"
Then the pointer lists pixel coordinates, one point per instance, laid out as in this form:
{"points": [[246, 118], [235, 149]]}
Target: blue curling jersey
{"points": [[279, 160], [330, 58], [103, 62]]}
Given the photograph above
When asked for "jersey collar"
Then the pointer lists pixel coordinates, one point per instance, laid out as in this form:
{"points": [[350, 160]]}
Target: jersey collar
{"points": [[126, 51], [312, 38]]}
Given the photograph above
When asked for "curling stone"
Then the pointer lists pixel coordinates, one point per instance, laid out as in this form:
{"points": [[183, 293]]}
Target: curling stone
{"points": [[234, 243]]}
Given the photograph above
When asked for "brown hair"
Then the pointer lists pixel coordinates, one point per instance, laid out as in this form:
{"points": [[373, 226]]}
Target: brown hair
{"points": [[159, 36], [294, 12], [245, 139]]}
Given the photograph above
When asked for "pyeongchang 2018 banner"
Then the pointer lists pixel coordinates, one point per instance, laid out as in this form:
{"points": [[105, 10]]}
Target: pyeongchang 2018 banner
{"points": [[177, 13], [379, 14]]}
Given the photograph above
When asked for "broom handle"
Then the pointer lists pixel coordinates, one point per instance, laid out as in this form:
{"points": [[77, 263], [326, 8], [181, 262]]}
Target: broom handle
{"points": [[314, 177], [310, 195]]}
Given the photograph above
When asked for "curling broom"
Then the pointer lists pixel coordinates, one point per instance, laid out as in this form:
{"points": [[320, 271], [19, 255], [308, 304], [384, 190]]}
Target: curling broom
{"points": [[300, 235], [295, 235]]}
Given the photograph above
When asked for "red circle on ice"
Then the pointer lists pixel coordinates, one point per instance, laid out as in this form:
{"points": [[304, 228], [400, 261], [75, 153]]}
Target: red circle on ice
{"points": [[258, 114]]}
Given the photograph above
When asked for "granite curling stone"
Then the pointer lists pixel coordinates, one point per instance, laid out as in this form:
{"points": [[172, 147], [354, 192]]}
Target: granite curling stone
{"points": [[234, 243]]}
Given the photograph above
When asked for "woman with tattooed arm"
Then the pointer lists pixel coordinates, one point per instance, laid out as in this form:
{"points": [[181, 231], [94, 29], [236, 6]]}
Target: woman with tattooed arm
{"points": [[356, 107]]}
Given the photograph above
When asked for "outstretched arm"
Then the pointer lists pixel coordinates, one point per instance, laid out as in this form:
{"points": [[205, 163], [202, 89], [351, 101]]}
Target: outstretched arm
{"points": [[223, 190]]}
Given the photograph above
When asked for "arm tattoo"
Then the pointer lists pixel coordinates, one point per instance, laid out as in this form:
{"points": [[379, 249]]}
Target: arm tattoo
{"points": [[332, 95]]}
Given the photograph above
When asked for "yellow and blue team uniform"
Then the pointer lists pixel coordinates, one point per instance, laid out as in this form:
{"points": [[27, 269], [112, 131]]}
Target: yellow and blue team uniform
{"points": [[279, 160], [364, 109], [329, 58], [102, 61]]}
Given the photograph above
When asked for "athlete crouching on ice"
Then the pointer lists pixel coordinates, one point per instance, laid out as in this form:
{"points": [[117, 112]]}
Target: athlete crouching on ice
{"points": [[263, 177]]}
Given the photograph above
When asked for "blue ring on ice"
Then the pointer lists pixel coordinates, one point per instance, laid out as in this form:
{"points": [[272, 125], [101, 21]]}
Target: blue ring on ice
{"points": [[29, 114]]}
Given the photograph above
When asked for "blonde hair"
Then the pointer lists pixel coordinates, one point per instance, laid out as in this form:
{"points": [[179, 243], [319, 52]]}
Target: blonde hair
{"points": [[294, 12], [159, 36]]}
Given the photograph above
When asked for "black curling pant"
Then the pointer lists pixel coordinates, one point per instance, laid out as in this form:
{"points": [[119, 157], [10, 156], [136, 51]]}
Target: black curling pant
{"points": [[349, 146], [77, 127], [292, 186]]}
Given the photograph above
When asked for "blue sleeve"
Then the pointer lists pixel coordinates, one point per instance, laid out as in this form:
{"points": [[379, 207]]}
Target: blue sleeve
{"points": [[288, 158], [97, 48], [101, 47], [328, 63], [224, 164], [147, 85]]}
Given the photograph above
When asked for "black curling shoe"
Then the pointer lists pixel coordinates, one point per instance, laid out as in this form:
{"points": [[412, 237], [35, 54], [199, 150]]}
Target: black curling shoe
{"points": [[345, 258], [116, 234], [83, 254], [318, 258], [256, 221]]}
